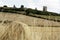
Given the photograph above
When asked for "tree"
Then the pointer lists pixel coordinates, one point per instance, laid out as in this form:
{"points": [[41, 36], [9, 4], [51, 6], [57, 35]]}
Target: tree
{"points": [[22, 6], [5, 6]]}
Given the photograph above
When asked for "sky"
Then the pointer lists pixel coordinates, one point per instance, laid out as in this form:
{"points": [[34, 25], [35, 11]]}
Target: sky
{"points": [[52, 5]]}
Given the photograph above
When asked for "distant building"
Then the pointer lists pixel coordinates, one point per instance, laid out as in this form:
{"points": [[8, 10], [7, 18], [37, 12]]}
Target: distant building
{"points": [[35, 8], [44, 8], [14, 6]]}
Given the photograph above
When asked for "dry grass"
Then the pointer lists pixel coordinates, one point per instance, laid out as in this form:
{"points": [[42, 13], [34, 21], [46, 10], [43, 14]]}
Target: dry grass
{"points": [[31, 21], [21, 27], [20, 31]]}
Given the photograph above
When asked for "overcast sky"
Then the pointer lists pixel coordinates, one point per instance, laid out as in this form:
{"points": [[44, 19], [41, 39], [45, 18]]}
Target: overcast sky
{"points": [[52, 5]]}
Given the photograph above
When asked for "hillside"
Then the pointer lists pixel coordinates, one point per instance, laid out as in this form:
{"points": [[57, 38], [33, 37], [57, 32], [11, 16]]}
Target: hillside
{"points": [[27, 10], [32, 12], [22, 27], [31, 21]]}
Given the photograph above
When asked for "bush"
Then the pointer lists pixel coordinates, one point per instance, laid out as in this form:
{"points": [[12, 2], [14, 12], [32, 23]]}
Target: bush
{"points": [[28, 11]]}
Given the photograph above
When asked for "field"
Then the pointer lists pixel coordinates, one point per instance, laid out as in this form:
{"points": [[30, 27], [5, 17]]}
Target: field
{"points": [[22, 27]]}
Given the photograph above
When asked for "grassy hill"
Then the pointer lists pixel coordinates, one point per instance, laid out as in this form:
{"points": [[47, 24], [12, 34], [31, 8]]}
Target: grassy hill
{"points": [[15, 26], [31, 21], [28, 24], [32, 12]]}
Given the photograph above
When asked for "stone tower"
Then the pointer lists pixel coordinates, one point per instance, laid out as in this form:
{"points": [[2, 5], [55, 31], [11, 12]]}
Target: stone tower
{"points": [[44, 8]]}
